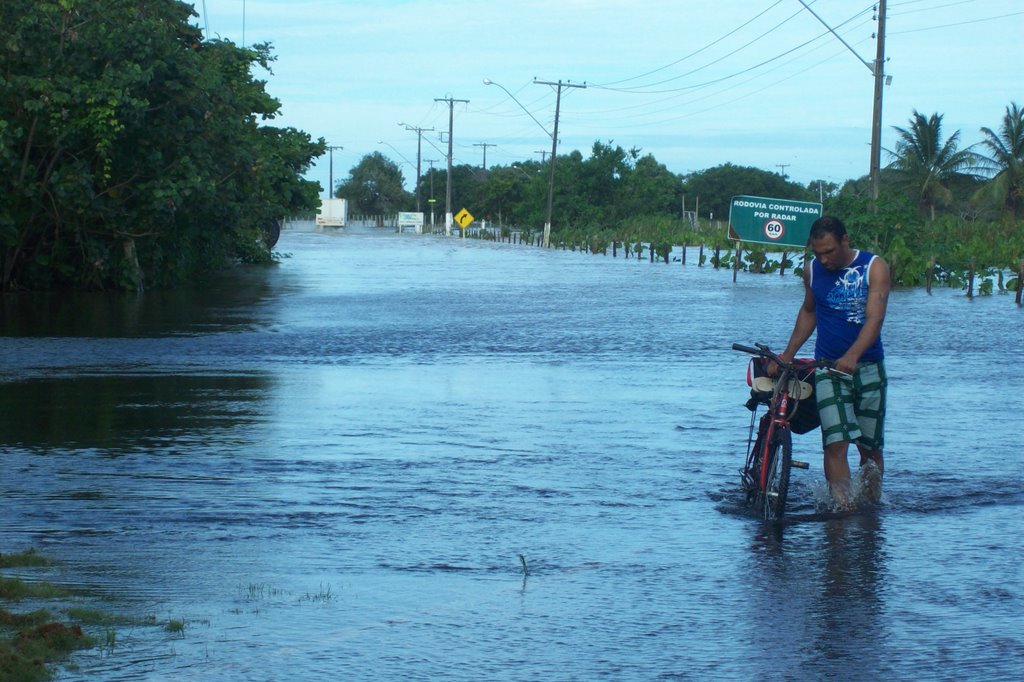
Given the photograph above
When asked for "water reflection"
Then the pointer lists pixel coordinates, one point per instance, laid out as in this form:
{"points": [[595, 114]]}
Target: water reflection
{"points": [[817, 593], [230, 300], [114, 413]]}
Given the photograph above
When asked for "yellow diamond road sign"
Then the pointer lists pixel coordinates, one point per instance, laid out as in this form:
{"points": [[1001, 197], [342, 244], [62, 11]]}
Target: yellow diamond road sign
{"points": [[463, 218]]}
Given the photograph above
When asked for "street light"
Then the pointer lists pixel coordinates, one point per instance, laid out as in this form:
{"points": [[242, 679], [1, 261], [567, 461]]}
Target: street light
{"points": [[488, 81], [520, 169], [407, 161], [554, 143], [554, 140]]}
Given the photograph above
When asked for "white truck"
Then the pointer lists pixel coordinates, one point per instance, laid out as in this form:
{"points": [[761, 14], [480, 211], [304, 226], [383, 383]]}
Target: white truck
{"points": [[332, 213]]}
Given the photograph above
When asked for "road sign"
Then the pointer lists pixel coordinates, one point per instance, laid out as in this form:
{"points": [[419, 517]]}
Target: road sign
{"points": [[464, 218], [763, 220]]}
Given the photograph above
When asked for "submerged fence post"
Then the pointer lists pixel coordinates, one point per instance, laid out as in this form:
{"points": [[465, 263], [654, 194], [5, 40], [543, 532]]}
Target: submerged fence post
{"points": [[970, 281], [782, 265], [1020, 281], [736, 265], [930, 276]]}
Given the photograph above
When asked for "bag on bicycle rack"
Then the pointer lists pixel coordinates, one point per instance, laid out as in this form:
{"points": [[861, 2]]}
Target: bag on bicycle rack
{"points": [[806, 418]]}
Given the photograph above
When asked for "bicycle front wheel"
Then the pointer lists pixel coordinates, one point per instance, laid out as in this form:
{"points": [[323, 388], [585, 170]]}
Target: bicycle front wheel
{"points": [[778, 458]]}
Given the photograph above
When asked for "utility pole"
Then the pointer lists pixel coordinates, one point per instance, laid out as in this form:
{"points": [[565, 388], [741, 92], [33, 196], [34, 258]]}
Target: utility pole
{"points": [[554, 149], [877, 69], [330, 150], [485, 145], [543, 154], [783, 166], [431, 199], [419, 148], [448, 191], [876, 113]]}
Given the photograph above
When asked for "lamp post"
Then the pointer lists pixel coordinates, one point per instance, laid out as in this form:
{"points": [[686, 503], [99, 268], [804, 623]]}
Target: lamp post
{"points": [[877, 69], [554, 141], [395, 149]]}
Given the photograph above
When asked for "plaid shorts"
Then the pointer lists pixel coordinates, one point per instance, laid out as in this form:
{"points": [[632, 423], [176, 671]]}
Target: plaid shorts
{"points": [[853, 410]]}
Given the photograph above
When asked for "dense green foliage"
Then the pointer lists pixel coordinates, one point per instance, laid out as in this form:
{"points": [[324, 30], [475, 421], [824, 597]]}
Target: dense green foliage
{"points": [[938, 218], [132, 151], [374, 185]]}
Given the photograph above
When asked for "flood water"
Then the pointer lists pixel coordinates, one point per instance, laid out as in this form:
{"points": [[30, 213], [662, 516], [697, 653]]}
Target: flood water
{"points": [[330, 468]]}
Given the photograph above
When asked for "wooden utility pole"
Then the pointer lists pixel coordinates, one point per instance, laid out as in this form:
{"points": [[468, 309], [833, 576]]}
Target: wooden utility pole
{"points": [[448, 190], [485, 145], [554, 150], [876, 115], [877, 69], [419, 151]]}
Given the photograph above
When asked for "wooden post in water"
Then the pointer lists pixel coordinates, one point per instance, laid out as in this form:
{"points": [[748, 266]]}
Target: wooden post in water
{"points": [[684, 254], [930, 276], [782, 265], [700, 255], [736, 265], [970, 281], [1020, 281]]}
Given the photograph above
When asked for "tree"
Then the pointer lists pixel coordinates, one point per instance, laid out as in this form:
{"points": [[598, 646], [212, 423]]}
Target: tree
{"points": [[823, 189], [1005, 162], [132, 151], [925, 164], [375, 185], [715, 187]]}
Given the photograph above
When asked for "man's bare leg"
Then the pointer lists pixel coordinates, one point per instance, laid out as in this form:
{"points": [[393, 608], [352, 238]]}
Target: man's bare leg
{"points": [[837, 473], [872, 466], [873, 455]]}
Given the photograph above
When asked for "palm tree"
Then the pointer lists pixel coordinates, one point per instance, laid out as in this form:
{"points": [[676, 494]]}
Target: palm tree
{"points": [[1005, 163], [925, 164]]}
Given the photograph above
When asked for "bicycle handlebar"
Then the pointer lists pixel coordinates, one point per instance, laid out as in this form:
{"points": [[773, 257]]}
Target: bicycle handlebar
{"points": [[763, 351]]}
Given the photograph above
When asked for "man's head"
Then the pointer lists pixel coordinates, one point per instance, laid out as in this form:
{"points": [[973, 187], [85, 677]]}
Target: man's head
{"points": [[830, 243]]}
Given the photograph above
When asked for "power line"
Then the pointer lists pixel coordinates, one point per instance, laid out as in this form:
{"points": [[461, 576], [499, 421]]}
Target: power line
{"points": [[695, 52], [957, 24]]}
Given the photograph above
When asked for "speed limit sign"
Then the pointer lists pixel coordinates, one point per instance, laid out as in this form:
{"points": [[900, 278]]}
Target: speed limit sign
{"points": [[774, 229]]}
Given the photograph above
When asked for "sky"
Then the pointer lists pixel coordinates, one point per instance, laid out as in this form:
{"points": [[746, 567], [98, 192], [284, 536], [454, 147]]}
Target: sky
{"points": [[695, 83]]}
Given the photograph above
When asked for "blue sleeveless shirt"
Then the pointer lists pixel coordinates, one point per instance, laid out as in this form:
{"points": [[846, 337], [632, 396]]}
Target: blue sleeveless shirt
{"points": [[840, 300]]}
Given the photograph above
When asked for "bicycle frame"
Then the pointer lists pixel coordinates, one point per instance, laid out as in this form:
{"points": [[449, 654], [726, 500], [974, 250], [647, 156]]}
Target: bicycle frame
{"points": [[765, 475], [772, 420]]}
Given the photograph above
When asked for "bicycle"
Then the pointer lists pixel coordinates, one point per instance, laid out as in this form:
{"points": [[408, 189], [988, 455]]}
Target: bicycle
{"points": [[790, 409]]}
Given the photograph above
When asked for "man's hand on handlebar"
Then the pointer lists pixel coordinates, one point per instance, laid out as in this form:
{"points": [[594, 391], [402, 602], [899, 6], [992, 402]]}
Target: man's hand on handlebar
{"points": [[846, 364], [773, 368]]}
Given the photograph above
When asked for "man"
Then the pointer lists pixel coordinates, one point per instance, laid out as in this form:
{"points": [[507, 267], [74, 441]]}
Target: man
{"points": [[846, 292]]}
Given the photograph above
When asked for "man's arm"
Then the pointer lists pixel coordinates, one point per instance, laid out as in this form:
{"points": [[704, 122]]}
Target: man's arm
{"points": [[874, 315], [806, 320]]}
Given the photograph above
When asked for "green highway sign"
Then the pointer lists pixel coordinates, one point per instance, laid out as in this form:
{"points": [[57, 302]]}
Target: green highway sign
{"points": [[763, 220]]}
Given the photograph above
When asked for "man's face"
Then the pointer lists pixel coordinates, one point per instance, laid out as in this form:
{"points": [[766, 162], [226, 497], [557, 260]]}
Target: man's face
{"points": [[832, 253]]}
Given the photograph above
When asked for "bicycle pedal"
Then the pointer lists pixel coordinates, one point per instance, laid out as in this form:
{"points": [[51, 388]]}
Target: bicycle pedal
{"points": [[797, 464]]}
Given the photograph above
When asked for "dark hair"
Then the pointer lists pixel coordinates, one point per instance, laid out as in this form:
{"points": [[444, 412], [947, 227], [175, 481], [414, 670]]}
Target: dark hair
{"points": [[828, 225]]}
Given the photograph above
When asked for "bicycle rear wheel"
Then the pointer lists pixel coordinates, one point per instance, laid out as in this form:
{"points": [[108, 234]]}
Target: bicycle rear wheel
{"points": [[777, 459]]}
